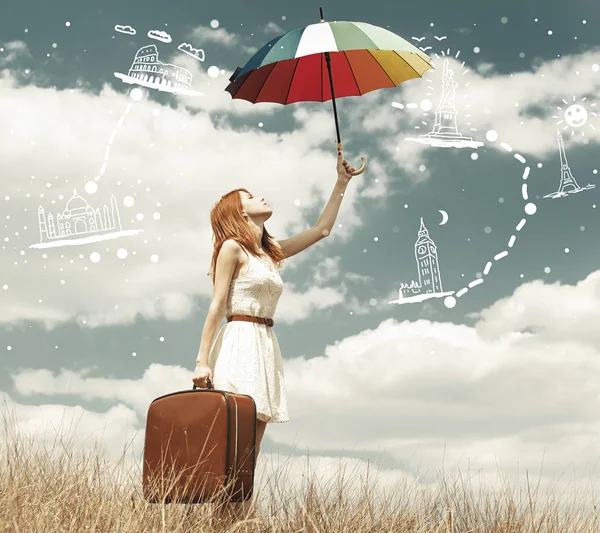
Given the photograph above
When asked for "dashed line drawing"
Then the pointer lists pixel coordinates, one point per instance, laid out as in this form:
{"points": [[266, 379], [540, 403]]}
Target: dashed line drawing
{"points": [[80, 223], [530, 209], [91, 187], [430, 277], [445, 130], [567, 184], [188, 49], [125, 29], [147, 71], [160, 35]]}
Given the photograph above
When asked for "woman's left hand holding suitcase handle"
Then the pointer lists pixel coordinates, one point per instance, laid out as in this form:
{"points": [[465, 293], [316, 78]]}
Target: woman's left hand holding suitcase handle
{"points": [[202, 377]]}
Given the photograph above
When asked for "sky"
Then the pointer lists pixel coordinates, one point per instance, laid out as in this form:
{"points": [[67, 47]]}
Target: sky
{"points": [[505, 372]]}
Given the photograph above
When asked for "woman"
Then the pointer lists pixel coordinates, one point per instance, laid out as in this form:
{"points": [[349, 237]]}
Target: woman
{"points": [[245, 357]]}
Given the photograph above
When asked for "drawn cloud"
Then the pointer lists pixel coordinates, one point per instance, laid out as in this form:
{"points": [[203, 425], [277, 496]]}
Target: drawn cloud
{"points": [[159, 35], [125, 29], [188, 49]]}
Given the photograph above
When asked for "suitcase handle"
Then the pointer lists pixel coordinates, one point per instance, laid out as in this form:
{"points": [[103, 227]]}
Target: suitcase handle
{"points": [[210, 385]]}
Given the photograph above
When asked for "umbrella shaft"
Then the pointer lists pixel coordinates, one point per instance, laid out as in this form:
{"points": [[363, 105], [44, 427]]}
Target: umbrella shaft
{"points": [[337, 126]]}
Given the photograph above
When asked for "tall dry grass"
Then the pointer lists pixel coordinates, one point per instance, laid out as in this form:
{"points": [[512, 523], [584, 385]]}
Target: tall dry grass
{"points": [[66, 490]]}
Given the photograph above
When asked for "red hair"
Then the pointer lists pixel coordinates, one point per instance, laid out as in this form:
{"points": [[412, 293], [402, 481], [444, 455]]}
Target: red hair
{"points": [[228, 222]]}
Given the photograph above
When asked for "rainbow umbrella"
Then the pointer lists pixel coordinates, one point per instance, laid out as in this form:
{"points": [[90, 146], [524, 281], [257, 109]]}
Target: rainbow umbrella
{"points": [[327, 60]]}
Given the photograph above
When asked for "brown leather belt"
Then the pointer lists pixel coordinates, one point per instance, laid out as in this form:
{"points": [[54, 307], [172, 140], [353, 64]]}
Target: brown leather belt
{"points": [[266, 321]]}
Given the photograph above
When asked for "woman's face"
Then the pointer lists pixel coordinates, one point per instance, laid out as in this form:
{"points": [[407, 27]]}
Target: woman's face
{"points": [[254, 205]]}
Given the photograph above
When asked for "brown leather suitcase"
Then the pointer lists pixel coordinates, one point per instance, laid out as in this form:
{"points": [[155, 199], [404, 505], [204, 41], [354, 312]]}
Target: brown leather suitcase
{"points": [[199, 447]]}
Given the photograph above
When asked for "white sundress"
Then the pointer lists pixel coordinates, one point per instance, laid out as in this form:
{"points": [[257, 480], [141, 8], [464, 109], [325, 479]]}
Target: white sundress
{"points": [[245, 357]]}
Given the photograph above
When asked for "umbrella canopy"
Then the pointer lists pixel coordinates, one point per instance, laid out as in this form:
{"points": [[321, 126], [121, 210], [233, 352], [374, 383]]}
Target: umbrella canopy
{"points": [[293, 68]]}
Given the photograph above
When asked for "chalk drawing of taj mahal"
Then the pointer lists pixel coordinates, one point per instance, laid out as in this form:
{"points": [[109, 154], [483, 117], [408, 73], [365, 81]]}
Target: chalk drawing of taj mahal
{"points": [[80, 223], [445, 130], [430, 277]]}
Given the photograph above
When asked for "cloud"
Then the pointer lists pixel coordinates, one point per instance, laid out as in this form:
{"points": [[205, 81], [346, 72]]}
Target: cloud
{"points": [[432, 395], [125, 29], [492, 103], [12, 51], [273, 28], [222, 37], [188, 49], [175, 164], [160, 35], [178, 162]]}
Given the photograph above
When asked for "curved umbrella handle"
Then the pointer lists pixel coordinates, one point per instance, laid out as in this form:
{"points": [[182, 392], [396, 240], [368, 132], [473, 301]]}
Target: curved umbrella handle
{"points": [[362, 167]]}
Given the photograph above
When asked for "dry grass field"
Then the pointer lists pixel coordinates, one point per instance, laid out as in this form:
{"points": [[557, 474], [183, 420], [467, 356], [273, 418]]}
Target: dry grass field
{"points": [[62, 490]]}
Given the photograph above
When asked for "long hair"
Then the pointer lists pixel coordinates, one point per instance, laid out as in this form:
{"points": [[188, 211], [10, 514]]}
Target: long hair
{"points": [[228, 222]]}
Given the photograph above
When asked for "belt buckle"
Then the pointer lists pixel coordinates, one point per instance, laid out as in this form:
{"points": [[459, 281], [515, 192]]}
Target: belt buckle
{"points": [[269, 322]]}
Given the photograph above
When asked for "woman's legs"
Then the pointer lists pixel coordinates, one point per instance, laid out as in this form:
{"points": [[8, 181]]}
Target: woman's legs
{"points": [[239, 510]]}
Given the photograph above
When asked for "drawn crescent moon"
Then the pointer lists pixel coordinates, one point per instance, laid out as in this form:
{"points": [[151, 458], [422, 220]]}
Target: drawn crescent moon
{"points": [[444, 217]]}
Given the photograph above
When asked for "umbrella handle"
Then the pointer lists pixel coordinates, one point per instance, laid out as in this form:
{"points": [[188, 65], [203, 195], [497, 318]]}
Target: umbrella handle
{"points": [[362, 167]]}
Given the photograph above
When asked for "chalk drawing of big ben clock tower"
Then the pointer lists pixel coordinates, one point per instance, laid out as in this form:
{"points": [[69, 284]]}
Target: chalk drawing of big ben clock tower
{"points": [[427, 262], [428, 268]]}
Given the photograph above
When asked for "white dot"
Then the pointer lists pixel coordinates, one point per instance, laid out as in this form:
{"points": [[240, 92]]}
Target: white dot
{"points": [[595, 67], [156, 216], [405, 206], [54, 45], [501, 200], [139, 216], [62, 281], [450, 302], [260, 124], [549, 32], [91, 187], [426, 105], [94, 257], [474, 156], [136, 94], [521, 55], [539, 165], [214, 23], [492, 136], [154, 258], [487, 229], [581, 228], [530, 208], [161, 339], [584, 21], [477, 49], [121, 253], [547, 270], [213, 71], [283, 17], [372, 302], [504, 20], [134, 354], [67, 24], [9, 348], [128, 201], [566, 250], [7, 198], [595, 171], [5, 287], [422, 168]]}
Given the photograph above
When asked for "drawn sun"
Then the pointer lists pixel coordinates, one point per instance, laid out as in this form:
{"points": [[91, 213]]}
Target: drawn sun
{"points": [[575, 115]]}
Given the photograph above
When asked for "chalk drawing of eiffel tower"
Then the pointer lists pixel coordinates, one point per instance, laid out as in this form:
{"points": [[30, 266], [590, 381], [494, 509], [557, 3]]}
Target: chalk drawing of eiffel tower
{"points": [[568, 184]]}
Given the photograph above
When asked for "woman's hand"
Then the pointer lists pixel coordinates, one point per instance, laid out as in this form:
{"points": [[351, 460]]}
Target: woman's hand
{"points": [[201, 374], [343, 167]]}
